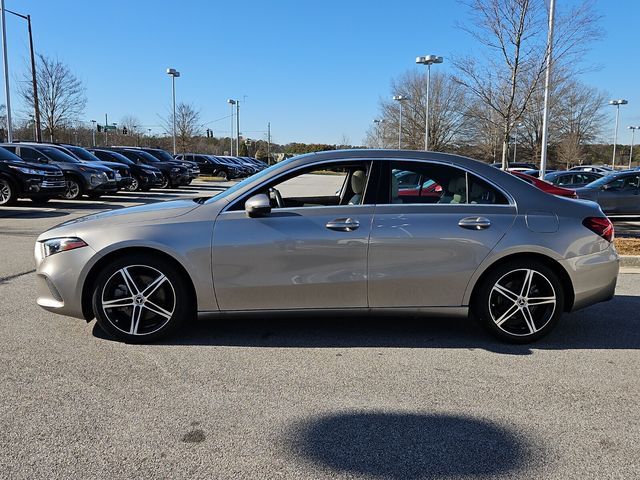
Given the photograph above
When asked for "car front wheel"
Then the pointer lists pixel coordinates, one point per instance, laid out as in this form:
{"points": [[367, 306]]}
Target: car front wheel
{"points": [[134, 185], [73, 189], [7, 192], [520, 302], [141, 299]]}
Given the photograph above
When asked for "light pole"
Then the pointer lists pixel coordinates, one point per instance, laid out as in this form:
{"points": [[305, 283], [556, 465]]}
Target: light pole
{"points": [[7, 91], [174, 74], [36, 105], [93, 133], [427, 60], [515, 142], [633, 134], [231, 103], [400, 99], [379, 135], [547, 83], [617, 104]]}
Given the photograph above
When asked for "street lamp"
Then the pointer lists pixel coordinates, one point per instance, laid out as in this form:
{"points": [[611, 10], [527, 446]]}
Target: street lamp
{"points": [[633, 134], [617, 104], [427, 60], [231, 103], [515, 141], [379, 122], [174, 74], [400, 99]]}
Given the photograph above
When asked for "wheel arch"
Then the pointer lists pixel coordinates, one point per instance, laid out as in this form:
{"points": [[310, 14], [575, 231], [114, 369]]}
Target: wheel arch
{"points": [[553, 264], [90, 279]]}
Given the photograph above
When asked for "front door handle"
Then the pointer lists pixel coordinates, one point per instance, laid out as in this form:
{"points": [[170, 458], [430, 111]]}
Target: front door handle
{"points": [[343, 225], [474, 223]]}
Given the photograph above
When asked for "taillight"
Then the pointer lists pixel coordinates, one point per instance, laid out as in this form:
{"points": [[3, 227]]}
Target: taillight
{"points": [[574, 194], [601, 226]]}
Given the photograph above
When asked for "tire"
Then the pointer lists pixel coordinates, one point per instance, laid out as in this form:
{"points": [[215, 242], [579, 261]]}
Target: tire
{"points": [[73, 189], [223, 175], [134, 186], [40, 200], [505, 306], [141, 319], [8, 194], [166, 182]]}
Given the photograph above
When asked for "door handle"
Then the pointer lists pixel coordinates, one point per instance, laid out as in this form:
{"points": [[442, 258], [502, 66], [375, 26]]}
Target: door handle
{"points": [[343, 225], [474, 223]]}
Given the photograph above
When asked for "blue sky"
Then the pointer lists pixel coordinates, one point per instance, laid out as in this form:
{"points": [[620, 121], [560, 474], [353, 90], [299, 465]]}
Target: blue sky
{"points": [[314, 69]]}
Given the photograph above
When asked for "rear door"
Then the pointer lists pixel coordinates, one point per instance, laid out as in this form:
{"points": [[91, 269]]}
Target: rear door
{"points": [[424, 249]]}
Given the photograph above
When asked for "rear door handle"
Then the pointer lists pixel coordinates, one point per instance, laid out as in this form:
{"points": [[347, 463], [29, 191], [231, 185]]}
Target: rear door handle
{"points": [[474, 223], [343, 225]]}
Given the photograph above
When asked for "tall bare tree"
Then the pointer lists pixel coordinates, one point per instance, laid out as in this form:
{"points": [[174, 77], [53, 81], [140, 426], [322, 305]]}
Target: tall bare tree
{"points": [[188, 125], [61, 95], [512, 35], [448, 120]]}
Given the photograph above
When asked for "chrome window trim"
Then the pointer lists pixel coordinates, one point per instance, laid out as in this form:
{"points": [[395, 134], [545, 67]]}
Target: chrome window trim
{"points": [[239, 198]]}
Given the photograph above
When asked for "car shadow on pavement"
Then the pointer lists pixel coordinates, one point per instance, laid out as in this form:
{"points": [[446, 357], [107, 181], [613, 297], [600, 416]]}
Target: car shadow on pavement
{"points": [[610, 325], [24, 213], [403, 445]]}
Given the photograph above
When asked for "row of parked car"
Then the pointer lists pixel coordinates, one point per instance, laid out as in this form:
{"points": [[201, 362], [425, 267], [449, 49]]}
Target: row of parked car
{"points": [[616, 191], [41, 171]]}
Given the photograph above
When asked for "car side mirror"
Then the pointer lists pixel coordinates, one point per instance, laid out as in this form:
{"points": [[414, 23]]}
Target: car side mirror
{"points": [[258, 206], [606, 186], [42, 160]]}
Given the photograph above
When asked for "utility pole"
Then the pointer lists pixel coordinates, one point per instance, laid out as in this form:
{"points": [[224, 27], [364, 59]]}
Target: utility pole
{"points": [[93, 133], [237, 127], [106, 137]]}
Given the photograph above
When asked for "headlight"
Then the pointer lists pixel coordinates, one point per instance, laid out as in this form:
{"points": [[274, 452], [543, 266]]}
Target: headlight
{"points": [[98, 178], [56, 245], [30, 171]]}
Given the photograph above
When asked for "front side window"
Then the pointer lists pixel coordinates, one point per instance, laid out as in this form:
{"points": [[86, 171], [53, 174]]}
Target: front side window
{"points": [[341, 184], [424, 183]]}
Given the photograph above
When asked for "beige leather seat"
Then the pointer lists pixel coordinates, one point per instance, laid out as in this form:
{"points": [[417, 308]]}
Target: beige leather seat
{"points": [[457, 191], [358, 184]]}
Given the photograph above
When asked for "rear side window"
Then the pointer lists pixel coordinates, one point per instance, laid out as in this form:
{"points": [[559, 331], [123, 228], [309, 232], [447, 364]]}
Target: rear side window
{"points": [[424, 183]]}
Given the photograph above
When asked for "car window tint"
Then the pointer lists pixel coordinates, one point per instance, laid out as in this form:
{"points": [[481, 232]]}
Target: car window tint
{"points": [[631, 182], [29, 154], [565, 180], [423, 182]]}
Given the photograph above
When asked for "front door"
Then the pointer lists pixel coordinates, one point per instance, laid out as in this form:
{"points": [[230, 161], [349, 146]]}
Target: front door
{"points": [[309, 252], [427, 239]]}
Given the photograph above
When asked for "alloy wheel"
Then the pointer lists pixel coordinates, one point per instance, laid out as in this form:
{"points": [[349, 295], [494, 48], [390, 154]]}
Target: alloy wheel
{"points": [[166, 183], [138, 300], [72, 190], [5, 192], [522, 302], [134, 185]]}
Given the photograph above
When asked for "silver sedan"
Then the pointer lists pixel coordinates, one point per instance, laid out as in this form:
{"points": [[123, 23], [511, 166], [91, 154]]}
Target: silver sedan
{"points": [[345, 231]]}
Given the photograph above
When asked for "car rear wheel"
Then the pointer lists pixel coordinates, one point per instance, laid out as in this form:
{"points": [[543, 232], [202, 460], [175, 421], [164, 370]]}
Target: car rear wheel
{"points": [[520, 302], [141, 299], [73, 189], [223, 175], [7, 192]]}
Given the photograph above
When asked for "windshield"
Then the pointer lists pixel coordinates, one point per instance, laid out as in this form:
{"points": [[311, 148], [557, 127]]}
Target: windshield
{"points": [[602, 181], [83, 154], [252, 178], [139, 154], [57, 155], [160, 155], [117, 157]]}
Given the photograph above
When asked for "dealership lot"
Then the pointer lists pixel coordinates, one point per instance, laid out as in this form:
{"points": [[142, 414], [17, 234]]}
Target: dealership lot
{"points": [[308, 397]]}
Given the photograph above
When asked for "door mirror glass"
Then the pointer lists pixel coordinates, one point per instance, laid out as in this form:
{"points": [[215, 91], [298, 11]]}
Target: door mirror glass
{"points": [[42, 160], [258, 206]]}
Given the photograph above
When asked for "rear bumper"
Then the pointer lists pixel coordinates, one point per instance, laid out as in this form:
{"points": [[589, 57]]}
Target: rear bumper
{"points": [[593, 277]]}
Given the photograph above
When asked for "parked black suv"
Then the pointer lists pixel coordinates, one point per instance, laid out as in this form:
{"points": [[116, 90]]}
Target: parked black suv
{"points": [[212, 165], [123, 174], [19, 179], [173, 173], [81, 178], [165, 156], [145, 177]]}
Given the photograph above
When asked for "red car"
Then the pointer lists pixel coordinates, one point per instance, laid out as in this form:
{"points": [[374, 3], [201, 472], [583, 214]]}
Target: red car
{"points": [[546, 186]]}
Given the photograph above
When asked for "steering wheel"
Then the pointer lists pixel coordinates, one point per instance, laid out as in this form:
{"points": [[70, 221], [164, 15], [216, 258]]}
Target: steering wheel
{"points": [[276, 194]]}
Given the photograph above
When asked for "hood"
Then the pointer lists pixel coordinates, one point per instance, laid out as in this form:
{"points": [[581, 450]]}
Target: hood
{"points": [[110, 165], [35, 165], [97, 166], [132, 215]]}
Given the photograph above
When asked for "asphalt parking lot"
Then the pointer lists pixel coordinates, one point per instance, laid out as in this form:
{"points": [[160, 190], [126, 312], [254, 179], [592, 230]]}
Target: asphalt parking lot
{"points": [[392, 398]]}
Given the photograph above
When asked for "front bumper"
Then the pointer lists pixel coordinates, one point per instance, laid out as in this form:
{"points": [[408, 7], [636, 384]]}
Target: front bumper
{"points": [[107, 187], [59, 280], [38, 186], [593, 277]]}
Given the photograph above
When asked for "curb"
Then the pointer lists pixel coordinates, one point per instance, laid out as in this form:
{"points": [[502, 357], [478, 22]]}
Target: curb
{"points": [[630, 261]]}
